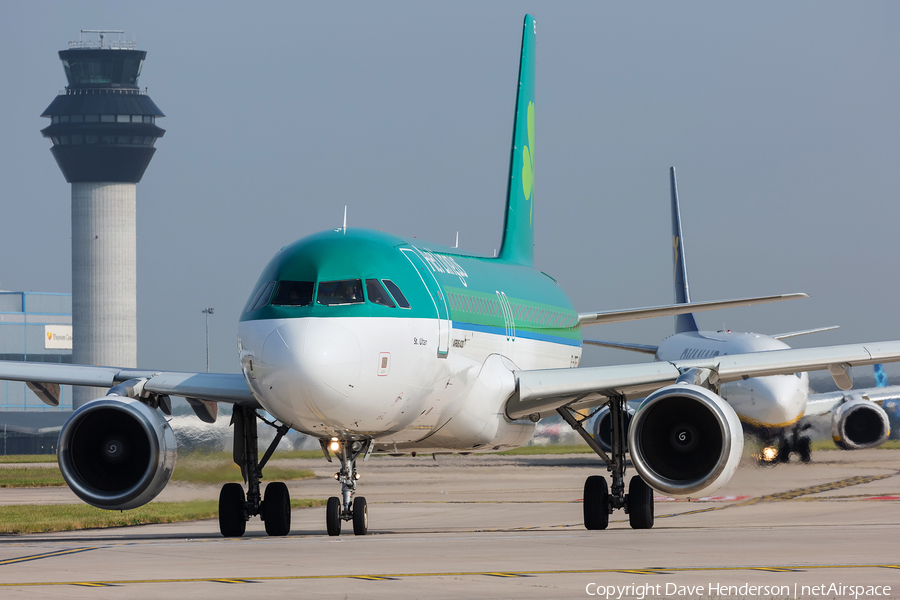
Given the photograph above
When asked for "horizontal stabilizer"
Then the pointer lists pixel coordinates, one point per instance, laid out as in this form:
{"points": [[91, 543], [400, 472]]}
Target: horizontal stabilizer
{"points": [[634, 314], [782, 336], [642, 348]]}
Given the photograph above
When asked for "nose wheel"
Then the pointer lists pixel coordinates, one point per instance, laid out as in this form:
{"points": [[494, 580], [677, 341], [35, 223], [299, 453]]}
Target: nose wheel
{"points": [[347, 508]]}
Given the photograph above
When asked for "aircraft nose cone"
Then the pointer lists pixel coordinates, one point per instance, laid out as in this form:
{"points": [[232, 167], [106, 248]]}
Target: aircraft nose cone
{"points": [[313, 361], [784, 400]]}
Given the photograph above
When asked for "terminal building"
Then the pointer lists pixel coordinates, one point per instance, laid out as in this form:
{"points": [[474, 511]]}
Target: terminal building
{"points": [[34, 327]]}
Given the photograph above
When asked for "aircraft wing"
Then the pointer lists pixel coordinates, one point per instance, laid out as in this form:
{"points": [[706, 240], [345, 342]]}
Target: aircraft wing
{"points": [[215, 387], [633, 314], [821, 404], [545, 390]]}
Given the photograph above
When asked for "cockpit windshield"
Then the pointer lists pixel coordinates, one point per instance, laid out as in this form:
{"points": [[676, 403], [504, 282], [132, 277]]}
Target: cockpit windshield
{"points": [[345, 291], [294, 293], [376, 293], [396, 293]]}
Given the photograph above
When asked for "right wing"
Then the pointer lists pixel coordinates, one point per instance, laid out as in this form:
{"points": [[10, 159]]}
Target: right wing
{"points": [[545, 390], [45, 378], [633, 314]]}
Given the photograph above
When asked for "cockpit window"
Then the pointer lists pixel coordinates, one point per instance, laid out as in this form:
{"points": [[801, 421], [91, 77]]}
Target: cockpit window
{"points": [[262, 296], [396, 293], [293, 293], [346, 291], [376, 293]]}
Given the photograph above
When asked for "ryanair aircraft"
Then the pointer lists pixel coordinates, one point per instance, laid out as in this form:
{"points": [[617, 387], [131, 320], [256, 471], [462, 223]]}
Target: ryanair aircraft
{"points": [[378, 344], [770, 408]]}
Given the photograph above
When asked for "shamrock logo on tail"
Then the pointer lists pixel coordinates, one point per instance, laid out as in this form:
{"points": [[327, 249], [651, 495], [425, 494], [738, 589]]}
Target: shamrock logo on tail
{"points": [[528, 162]]}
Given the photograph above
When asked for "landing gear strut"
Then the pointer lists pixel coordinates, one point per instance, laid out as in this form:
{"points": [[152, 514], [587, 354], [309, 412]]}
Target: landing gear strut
{"points": [[347, 508], [794, 441], [600, 501], [235, 509]]}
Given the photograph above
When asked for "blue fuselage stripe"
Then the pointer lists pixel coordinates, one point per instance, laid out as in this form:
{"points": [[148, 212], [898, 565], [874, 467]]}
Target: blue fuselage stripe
{"points": [[543, 337]]}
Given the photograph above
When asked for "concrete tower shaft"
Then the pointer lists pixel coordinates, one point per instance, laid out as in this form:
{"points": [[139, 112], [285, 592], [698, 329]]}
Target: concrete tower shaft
{"points": [[104, 278], [103, 130]]}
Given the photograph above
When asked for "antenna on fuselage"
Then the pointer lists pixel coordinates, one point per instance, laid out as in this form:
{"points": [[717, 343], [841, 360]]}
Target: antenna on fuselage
{"points": [[457, 240], [345, 218]]}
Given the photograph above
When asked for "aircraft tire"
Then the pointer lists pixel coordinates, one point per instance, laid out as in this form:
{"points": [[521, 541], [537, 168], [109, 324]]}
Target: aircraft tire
{"points": [[804, 450], [640, 504], [276, 509], [333, 516], [232, 522], [360, 516], [784, 452], [596, 503]]}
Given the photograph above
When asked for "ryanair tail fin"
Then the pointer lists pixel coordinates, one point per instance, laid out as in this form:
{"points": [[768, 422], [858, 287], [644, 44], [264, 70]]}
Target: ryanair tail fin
{"points": [[685, 322], [518, 231]]}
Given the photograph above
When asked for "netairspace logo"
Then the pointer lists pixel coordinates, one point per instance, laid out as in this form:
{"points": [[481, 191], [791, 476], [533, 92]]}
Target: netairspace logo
{"points": [[661, 590]]}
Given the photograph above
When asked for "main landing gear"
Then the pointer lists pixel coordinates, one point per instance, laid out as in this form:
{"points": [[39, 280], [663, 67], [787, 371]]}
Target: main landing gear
{"points": [[599, 499], [347, 508], [234, 508]]}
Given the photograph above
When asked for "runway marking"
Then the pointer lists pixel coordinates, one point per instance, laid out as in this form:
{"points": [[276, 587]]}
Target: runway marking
{"points": [[512, 574], [21, 559], [792, 494]]}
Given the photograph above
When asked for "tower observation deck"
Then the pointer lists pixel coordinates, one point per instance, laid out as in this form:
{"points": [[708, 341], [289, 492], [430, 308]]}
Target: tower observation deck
{"points": [[103, 130]]}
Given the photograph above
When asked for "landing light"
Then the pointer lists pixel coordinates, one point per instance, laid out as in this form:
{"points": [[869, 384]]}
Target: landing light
{"points": [[357, 475], [769, 453], [335, 445], [337, 476]]}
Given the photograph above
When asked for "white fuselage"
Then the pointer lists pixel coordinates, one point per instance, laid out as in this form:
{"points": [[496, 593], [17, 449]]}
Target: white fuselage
{"points": [[764, 404], [382, 378]]}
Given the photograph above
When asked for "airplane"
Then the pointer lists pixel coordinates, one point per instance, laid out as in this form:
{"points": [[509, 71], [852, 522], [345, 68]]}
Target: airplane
{"points": [[770, 408], [374, 343]]}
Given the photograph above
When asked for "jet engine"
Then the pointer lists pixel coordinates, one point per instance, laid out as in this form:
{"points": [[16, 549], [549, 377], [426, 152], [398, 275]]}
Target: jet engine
{"points": [[857, 423], [603, 428], [116, 453], [685, 441]]}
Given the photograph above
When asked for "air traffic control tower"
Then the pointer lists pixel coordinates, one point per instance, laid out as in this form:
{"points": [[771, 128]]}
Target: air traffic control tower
{"points": [[103, 129]]}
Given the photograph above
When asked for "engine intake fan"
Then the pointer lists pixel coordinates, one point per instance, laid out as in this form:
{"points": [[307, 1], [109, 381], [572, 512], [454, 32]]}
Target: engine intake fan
{"points": [[116, 453]]}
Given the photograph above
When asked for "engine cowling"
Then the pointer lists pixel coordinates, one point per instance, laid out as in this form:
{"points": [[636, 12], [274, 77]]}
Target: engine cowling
{"points": [[857, 423], [685, 441], [603, 428], [116, 453]]}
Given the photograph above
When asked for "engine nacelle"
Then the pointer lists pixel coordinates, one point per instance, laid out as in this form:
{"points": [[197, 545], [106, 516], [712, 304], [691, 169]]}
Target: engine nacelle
{"points": [[857, 423], [116, 453], [685, 441], [603, 428]]}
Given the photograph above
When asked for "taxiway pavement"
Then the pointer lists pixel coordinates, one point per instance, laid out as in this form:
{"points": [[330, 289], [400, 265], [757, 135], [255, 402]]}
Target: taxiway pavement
{"points": [[495, 527]]}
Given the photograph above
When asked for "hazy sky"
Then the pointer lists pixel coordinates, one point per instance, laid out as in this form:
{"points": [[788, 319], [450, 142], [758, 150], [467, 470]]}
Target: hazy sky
{"points": [[781, 118]]}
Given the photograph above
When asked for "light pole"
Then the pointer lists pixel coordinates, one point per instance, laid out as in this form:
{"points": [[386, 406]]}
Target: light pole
{"points": [[207, 312]]}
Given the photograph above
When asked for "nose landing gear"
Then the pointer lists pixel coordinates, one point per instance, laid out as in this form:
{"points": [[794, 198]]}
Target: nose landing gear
{"points": [[347, 508]]}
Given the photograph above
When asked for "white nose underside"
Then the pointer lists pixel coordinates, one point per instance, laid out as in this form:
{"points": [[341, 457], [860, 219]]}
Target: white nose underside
{"points": [[309, 363]]}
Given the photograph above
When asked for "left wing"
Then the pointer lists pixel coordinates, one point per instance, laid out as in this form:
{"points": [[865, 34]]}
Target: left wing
{"points": [[45, 379], [545, 390]]}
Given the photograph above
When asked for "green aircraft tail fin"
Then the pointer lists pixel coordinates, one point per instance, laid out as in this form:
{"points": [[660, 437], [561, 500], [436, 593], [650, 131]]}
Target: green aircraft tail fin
{"points": [[518, 231]]}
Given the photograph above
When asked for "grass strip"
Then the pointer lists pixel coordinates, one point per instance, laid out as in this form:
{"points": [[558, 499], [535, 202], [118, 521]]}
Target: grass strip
{"points": [[19, 477], [27, 458], [202, 472], [71, 517]]}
